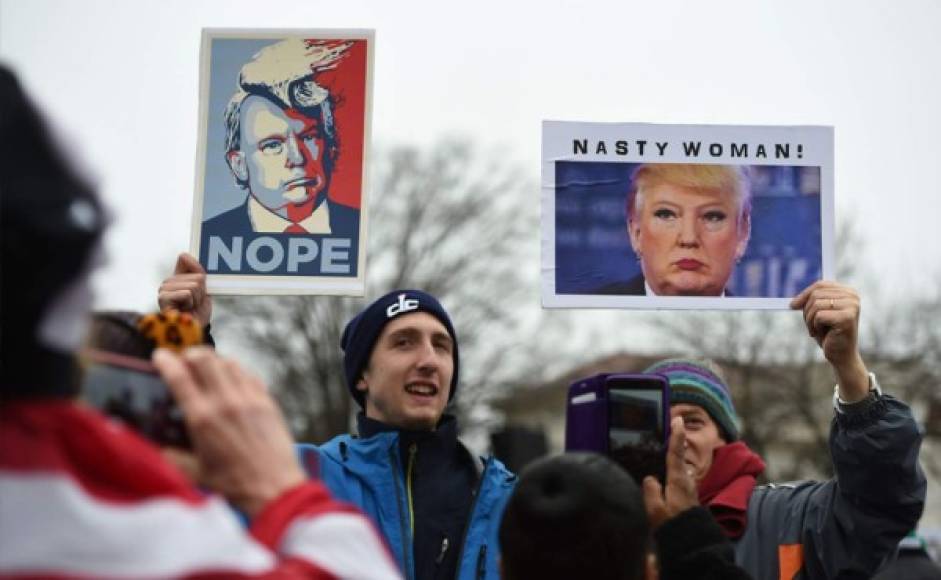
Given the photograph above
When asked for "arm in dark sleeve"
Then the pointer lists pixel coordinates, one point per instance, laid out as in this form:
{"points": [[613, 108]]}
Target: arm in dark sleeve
{"points": [[853, 525], [692, 546], [208, 340]]}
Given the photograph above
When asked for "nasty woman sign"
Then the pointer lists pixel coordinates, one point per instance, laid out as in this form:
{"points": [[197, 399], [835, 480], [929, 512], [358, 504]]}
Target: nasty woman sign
{"points": [[684, 216], [281, 169]]}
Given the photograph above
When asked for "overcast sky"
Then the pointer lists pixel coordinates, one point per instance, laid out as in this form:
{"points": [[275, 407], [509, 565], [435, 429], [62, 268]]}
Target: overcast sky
{"points": [[119, 79]]}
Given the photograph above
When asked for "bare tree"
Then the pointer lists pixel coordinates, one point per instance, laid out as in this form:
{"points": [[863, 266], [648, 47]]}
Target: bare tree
{"points": [[904, 347], [448, 220]]}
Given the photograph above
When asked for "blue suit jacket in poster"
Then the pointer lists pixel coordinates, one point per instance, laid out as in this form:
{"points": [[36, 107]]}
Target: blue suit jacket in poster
{"points": [[344, 221], [344, 225]]}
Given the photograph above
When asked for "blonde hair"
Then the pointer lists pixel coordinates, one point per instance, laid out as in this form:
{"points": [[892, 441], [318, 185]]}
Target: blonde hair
{"points": [[732, 179]]}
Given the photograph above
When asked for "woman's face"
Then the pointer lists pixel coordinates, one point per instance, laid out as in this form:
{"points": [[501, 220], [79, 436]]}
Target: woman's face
{"points": [[688, 240]]}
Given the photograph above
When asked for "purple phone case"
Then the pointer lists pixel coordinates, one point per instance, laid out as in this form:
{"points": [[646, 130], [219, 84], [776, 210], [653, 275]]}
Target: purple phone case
{"points": [[586, 417]]}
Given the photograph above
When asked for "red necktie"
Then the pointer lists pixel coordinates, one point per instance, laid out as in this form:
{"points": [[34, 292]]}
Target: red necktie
{"points": [[294, 229]]}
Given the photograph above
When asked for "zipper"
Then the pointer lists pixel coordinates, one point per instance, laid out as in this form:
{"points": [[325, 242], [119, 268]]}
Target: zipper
{"points": [[444, 548], [470, 514], [412, 450], [481, 562], [406, 538]]}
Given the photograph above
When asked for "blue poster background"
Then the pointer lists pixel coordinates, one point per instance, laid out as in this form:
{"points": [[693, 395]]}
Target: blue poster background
{"points": [[592, 247], [227, 58]]}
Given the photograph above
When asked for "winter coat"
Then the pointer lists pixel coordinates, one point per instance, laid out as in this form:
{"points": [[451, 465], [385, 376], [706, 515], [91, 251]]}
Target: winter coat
{"points": [[368, 472], [849, 526]]}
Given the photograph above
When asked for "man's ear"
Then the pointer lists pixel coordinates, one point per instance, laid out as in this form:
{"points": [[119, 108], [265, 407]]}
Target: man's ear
{"points": [[361, 384], [633, 231], [744, 234], [236, 161]]}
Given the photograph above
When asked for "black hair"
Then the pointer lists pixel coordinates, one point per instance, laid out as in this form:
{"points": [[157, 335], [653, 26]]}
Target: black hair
{"points": [[116, 331], [576, 515]]}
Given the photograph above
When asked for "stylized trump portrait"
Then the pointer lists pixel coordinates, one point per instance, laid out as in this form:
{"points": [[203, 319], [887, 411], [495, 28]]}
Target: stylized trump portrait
{"points": [[283, 159]]}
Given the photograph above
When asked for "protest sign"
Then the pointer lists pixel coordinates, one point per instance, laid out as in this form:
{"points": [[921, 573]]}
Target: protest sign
{"points": [[684, 216], [279, 204]]}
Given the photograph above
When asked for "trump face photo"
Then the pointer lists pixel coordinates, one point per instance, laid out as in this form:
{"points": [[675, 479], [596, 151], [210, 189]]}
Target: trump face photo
{"points": [[693, 230], [650, 216], [689, 225]]}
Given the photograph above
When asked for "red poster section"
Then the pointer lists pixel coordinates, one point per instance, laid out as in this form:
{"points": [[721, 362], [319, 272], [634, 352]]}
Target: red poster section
{"points": [[347, 84]]}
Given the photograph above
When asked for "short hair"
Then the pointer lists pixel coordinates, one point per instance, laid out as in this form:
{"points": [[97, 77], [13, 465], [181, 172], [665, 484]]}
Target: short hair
{"points": [[116, 331], [576, 515], [283, 73], [733, 179]]}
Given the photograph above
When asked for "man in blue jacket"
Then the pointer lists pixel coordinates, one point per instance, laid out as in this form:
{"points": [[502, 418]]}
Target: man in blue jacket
{"points": [[437, 505]]}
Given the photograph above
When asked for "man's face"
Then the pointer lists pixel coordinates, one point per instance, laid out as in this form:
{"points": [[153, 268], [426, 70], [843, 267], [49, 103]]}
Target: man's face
{"points": [[703, 437], [687, 239], [280, 155], [408, 378]]}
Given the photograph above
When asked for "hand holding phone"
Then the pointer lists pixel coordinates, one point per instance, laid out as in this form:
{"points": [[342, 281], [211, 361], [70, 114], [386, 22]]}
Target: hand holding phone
{"points": [[130, 389], [240, 438], [624, 416], [679, 494], [120, 380]]}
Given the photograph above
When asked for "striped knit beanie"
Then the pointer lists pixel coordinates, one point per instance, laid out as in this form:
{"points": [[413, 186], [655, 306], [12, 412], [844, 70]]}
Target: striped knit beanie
{"points": [[698, 383]]}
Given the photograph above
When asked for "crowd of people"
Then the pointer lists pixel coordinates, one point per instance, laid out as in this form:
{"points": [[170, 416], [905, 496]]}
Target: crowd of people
{"points": [[83, 496]]}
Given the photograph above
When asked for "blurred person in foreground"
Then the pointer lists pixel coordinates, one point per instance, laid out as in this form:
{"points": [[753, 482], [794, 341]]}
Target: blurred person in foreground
{"points": [[689, 225], [437, 506], [81, 496], [847, 527], [579, 515]]}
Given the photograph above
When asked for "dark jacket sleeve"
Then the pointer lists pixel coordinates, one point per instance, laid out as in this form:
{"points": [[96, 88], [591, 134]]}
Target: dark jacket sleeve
{"points": [[876, 498], [208, 340], [849, 526], [691, 546]]}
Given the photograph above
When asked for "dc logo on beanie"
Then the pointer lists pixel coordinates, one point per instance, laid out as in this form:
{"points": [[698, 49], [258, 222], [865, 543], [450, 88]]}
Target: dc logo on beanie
{"points": [[401, 306]]}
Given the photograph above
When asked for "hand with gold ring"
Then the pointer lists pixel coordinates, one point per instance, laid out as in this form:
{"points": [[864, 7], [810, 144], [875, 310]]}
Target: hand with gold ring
{"points": [[831, 313]]}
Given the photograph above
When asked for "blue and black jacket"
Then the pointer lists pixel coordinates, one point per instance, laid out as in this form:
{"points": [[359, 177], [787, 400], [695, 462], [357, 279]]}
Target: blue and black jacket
{"points": [[438, 508]]}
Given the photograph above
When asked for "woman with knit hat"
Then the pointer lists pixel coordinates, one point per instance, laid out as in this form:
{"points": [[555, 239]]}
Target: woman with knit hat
{"points": [[847, 527]]}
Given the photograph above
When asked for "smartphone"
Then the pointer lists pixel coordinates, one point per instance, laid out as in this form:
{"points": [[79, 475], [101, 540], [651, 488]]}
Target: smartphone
{"points": [[624, 416], [131, 390]]}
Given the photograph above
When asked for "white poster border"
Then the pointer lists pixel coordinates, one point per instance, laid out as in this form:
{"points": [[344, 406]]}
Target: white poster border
{"points": [[236, 284], [558, 144]]}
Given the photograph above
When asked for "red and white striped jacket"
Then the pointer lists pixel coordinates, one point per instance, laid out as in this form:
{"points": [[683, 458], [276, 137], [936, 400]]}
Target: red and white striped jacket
{"points": [[83, 497]]}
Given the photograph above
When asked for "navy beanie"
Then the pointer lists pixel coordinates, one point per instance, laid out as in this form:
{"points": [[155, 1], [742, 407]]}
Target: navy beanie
{"points": [[363, 330]]}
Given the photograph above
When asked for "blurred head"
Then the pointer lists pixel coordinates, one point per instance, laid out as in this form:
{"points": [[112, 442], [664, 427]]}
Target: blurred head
{"points": [[700, 395], [281, 141], [401, 359], [689, 225], [576, 515], [52, 223]]}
